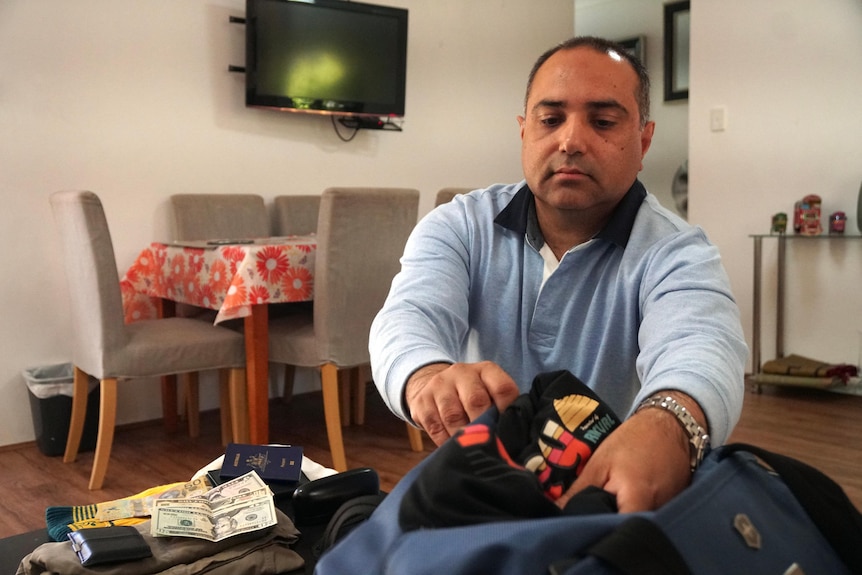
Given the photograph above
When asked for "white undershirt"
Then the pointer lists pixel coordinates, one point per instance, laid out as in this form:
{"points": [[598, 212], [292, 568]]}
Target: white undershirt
{"points": [[551, 261]]}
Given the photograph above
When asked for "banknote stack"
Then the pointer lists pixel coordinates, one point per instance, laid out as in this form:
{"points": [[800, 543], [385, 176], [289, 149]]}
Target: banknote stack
{"points": [[241, 505]]}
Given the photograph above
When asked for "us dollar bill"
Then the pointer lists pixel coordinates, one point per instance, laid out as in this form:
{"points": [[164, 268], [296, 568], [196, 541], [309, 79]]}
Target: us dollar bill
{"points": [[222, 512], [251, 516], [183, 521], [242, 485]]}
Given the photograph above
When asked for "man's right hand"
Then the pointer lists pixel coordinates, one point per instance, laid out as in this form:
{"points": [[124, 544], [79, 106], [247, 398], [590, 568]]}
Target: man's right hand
{"points": [[444, 397]]}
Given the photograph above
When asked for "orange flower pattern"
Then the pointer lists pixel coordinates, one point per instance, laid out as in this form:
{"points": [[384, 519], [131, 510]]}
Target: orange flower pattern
{"points": [[236, 294], [228, 278], [219, 279], [233, 255], [272, 263], [298, 284], [258, 294]]}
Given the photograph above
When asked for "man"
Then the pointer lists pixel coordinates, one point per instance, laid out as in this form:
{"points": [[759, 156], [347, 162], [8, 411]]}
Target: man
{"points": [[575, 268]]}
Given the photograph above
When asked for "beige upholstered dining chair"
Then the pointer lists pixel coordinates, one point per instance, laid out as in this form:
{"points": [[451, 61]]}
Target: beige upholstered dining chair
{"points": [[361, 234], [110, 350], [446, 194], [219, 216], [209, 217], [296, 215]]}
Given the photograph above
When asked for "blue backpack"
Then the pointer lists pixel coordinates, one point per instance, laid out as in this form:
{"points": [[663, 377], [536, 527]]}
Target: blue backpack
{"points": [[747, 511]]}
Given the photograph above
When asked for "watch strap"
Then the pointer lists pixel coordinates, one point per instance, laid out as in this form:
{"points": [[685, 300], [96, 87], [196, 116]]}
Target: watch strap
{"points": [[698, 438]]}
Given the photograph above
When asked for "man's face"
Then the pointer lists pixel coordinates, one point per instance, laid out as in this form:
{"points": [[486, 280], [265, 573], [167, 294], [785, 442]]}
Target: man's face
{"points": [[222, 523], [581, 140]]}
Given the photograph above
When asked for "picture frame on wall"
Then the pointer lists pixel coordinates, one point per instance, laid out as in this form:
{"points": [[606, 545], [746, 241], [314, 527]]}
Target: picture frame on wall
{"points": [[677, 24], [637, 46]]}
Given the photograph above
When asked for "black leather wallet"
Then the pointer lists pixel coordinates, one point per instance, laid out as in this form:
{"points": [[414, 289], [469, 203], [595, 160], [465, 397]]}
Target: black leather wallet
{"points": [[98, 545]]}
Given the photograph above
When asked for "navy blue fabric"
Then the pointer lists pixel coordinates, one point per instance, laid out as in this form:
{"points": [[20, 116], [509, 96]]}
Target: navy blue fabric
{"points": [[698, 523]]}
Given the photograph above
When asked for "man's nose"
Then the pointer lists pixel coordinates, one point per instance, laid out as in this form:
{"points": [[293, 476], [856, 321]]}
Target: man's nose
{"points": [[572, 136]]}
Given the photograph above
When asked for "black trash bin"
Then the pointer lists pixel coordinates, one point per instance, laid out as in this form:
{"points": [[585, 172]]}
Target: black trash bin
{"points": [[50, 388]]}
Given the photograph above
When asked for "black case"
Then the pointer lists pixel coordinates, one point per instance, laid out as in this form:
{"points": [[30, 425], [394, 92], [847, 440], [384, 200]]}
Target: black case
{"points": [[316, 501], [98, 545]]}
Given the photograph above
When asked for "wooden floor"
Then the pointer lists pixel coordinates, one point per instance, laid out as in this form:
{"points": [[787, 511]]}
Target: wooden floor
{"points": [[823, 429]]}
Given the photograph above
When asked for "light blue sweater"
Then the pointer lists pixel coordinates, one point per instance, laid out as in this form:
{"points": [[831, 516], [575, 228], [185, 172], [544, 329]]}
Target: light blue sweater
{"points": [[644, 306]]}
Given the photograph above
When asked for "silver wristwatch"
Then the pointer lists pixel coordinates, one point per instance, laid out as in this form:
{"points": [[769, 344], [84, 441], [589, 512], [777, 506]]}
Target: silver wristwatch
{"points": [[698, 438]]}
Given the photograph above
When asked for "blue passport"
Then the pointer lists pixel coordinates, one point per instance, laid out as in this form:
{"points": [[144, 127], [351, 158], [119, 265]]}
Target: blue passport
{"points": [[278, 463]]}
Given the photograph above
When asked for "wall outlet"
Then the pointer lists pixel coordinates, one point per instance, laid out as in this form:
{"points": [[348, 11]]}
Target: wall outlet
{"points": [[718, 119]]}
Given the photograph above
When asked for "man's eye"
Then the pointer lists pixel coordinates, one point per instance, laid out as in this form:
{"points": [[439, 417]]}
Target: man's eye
{"points": [[550, 121], [604, 124]]}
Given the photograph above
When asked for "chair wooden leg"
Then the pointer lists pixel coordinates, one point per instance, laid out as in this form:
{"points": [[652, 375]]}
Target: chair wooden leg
{"points": [[107, 421], [239, 405], [289, 375], [414, 434], [357, 392], [167, 308], [80, 390], [329, 384], [344, 396], [191, 390], [225, 408], [169, 403]]}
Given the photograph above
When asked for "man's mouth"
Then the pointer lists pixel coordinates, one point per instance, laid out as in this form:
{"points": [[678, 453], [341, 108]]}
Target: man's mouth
{"points": [[568, 172]]}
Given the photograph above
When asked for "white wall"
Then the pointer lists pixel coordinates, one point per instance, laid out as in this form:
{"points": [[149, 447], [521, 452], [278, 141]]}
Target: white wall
{"points": [[789, 74], [132, 99], [622, 19]]}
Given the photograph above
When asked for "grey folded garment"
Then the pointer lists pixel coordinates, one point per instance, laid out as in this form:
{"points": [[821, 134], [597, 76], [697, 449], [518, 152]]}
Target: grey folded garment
{"points": [[264, 552]]}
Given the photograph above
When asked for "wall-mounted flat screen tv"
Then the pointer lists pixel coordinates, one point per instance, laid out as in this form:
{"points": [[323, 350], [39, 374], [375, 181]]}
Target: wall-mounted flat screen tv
{"points": [[326, 56]]}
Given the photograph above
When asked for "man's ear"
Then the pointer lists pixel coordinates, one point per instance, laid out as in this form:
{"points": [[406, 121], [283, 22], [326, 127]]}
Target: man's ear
{"points": [[646, 139]]}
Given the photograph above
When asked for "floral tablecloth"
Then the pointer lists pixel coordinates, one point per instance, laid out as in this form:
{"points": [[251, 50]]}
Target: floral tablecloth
{"points": [[228, 278]]}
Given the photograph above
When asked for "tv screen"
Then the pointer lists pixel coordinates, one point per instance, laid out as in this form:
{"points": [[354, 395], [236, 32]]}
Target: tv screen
{"points": [[326, 56]]}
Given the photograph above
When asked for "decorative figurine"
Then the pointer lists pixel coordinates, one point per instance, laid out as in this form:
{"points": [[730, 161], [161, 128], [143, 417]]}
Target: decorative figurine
{"points": [[779, 223], [837, 221], [806, 216]]}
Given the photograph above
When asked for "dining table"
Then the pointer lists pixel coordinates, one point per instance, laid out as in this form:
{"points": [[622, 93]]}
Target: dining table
{"points": [[237, 278]]}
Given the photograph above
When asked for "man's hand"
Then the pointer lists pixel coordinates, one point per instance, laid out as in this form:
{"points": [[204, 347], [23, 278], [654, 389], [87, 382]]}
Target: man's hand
{"points": [[645, 462], [442, 398]]}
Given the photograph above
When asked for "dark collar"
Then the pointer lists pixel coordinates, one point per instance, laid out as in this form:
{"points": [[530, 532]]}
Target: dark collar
{"points": [[519, 215]]}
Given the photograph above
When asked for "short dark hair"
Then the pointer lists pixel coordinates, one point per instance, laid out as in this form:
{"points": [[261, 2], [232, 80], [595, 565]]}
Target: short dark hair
{"points": [[603, 46]]}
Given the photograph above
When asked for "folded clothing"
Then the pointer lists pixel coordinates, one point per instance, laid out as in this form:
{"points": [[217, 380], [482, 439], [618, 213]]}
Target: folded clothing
{"points": [[265, 552], [797, 365]]}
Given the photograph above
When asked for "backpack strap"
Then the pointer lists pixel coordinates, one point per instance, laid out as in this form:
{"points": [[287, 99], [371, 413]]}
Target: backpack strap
{"points": [[639, 547], [823, 500]]}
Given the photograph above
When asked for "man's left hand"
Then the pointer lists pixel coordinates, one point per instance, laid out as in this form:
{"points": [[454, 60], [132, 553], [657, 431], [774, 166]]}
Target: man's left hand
{"points": [[645, 462]]}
